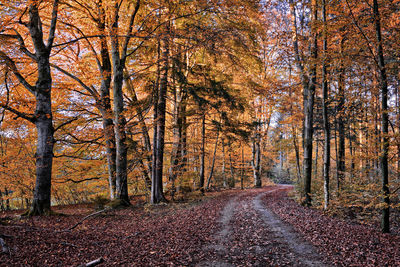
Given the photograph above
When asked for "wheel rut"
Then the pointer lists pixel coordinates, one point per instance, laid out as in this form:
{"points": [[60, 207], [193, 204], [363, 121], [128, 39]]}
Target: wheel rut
{"points": [[252, 235], [284, 233]]}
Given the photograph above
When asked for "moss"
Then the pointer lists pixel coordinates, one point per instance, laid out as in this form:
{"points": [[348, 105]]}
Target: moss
{"points": [[117, 203]]}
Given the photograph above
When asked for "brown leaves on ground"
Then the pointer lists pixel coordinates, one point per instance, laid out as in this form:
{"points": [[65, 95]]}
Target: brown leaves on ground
{"points": [[344, 243], [187, 235], [131, 237]]}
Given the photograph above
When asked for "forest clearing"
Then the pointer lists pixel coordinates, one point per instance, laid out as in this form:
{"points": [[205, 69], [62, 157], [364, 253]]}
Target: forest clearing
{"points": [[141, 132]]}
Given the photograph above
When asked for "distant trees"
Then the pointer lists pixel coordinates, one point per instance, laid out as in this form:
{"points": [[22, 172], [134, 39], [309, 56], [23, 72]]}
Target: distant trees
{"points": [[355, 97]]}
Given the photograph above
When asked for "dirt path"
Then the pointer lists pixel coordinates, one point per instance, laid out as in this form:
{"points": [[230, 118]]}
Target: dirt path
{"points": [[283, 232], [252, 234]]}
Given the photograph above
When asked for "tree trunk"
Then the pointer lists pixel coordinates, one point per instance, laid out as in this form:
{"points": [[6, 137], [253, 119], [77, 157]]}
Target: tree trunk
{"points": [[6, 193], [225, 183], [232, 181], [203, 145], [325, 99], [243, 169], [157, 194], [119, 57], [316, 158], [105, 102], [44, 151], [213, 161], [296, 149], [341, 168], [119, 118], [309, 111], [177, 140], [43, 117], [385, 122], [256, 151], [1, 201]]}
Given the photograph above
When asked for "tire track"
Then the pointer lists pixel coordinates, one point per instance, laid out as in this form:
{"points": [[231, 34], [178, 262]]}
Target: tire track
{"points": [[284, 233]]}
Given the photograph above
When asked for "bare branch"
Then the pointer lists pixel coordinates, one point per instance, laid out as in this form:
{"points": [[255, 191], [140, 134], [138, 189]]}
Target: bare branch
{"points": [[11, 65], [85, 218], [65, 123], [28, 117], [21, 42], [53, 25], [91, 90], [78, 181], [128, 35], [7, 98], [78, 39]]}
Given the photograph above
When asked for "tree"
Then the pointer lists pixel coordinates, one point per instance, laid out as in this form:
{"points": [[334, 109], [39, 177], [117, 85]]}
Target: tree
{"points": [[325, 97], [42, 117], [385, 120]]}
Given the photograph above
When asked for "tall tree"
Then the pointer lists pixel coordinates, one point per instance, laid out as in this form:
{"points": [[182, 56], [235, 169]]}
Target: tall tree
{"points": [[157, 194], [325, 98], [309, 108], [119, 57], [42, 117], [385, 119]]}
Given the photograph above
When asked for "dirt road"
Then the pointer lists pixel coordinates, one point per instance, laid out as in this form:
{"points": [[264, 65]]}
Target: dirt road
{"points": [[252, 235]]}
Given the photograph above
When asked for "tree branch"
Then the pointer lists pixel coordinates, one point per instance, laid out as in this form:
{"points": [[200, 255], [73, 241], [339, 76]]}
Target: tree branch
{"points": [[77, 181], [22, 46], [128, 35], [353, 18], [53, 25], [85, 218], [11, 64], [28, 117], [65, 123], [91, 90]]}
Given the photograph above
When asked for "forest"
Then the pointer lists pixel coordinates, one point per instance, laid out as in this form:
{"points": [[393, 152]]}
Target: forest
{"points": [[120, 102]]}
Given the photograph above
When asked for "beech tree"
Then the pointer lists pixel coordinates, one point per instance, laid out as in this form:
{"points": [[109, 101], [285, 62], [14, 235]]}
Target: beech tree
{"points": [[42, 116]]}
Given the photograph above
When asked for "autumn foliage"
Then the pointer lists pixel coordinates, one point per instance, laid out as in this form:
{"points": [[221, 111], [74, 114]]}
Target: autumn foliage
{"points": [[160, 98]]}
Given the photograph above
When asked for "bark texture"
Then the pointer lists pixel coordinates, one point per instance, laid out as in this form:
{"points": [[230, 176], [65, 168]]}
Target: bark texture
{"points": [[385, 122], [309, 113], [157, 194]]}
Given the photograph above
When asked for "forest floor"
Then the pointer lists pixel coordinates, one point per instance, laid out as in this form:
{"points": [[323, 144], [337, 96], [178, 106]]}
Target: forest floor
{"points": [[254, 227]]}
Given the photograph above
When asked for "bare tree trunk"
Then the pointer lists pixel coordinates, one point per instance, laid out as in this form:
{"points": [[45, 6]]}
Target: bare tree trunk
{"points": [[105, 102], [202, 155], [225, 184], [256, 151], [157, 194], [385, 122], [243, 169], [6, 193], [341, 168], [296, 149], [119, 118], [1, 201], [325, 99], [119, 57], [177, 140], [43, 118], [316, 158], [213, 161], [232, 182], [309, 111]]}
